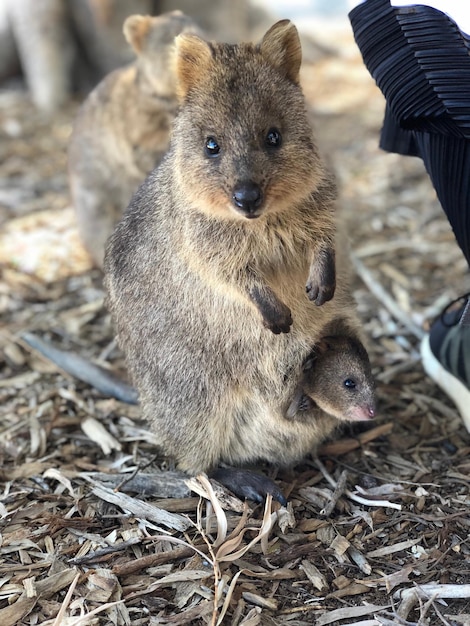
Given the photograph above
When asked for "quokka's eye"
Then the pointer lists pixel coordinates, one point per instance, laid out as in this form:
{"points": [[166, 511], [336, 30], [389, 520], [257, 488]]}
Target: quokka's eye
{"points": [[273, 138], [211, 147], [349, 383]]}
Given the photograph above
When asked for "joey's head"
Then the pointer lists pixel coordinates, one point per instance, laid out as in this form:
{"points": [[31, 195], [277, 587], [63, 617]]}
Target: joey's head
{"points": [[338, 378], [153, 41], [242, 140]]}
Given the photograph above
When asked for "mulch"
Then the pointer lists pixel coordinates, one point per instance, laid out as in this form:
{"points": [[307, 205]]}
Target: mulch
{"points": [[97, 529]]}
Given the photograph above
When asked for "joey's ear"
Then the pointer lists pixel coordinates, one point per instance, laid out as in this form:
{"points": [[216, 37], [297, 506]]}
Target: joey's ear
{"points": [[135, 29], [322, 346], [338, 342], [193, 57], [318, 349], [281, 47]]}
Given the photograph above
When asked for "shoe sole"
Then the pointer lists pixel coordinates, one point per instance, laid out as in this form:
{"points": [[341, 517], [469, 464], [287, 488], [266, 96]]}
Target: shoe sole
{"points": [[449, 384]]}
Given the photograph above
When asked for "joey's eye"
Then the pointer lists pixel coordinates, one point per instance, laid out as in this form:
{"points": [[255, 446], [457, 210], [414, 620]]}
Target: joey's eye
{"points": [[273, 138], [211, 147], [349, 383]]}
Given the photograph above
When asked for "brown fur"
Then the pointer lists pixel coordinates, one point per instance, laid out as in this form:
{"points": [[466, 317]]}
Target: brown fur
{"points": [[338, 380], [122, 130], [204, 296]]}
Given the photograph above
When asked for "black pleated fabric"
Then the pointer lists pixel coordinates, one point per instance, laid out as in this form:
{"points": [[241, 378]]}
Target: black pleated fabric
{"points": [[421, 62]]}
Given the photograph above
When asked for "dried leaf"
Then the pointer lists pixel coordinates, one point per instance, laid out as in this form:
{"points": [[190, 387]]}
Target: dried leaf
{"points": [[348, 612], [314, 575], [63, 480], [397, 547], [264, 603], [353, 589], [98, 433], [392, 580]]}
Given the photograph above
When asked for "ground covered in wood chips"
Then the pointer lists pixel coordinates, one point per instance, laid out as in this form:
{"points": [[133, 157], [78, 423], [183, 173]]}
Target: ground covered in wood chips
{"points": [[95, 530]]}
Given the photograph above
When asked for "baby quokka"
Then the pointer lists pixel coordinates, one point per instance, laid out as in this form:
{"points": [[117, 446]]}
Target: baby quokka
{"points": [[338, 380]]}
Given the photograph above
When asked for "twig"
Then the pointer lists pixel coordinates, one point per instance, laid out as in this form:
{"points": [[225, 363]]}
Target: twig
{"points": [[409, 597], [105, 553], [336, 495], [66, 601], [77, 366], [138, 469], [343, 446], [449, 591], [183, 543], [99, 609], [353, 496], [439, 614], [152, 560], [141, 509], [395, 621]]}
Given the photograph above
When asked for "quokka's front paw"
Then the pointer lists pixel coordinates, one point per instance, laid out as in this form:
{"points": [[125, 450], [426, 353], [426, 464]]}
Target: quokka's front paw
{"points": [[279, 323], [321, 282], [319, 294], [276, 316]]}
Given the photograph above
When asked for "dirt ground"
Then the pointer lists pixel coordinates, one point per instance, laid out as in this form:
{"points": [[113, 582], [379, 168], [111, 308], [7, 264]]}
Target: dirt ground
{"points": [[89, 534]]}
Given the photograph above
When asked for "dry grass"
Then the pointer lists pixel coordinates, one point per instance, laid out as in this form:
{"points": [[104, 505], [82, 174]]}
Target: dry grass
{"points": [[377, 527]]}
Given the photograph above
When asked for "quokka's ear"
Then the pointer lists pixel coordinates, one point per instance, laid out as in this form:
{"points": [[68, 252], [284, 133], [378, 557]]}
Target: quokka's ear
{"points": [[323, 345], [338, 343], [193, 57], [281, 47], [135, 29]]}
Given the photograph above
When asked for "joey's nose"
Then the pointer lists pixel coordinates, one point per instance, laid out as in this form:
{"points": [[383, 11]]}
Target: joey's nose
{"points": [[247, 198]]}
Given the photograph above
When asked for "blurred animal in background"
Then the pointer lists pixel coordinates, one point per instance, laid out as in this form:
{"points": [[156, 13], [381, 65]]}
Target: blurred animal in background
{"points": [[122, 129], [64, 47]]}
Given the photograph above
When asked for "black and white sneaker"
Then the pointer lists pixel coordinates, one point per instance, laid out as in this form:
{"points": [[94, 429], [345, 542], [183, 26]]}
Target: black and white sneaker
{"points": [[445, 352]]}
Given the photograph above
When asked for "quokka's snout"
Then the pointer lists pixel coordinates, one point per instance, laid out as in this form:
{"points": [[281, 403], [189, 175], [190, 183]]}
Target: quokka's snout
{"points": [[248, 198]]}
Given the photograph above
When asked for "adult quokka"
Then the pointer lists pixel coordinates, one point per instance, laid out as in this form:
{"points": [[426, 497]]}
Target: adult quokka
{"points": [[221, 275]]}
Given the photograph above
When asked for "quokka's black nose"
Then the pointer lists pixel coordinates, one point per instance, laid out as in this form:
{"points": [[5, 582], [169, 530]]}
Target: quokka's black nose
{"points": [[247, 197]]}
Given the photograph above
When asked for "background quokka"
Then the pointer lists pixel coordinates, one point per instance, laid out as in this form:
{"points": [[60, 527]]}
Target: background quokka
{"points": [[122, 130], [214, 273]]}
